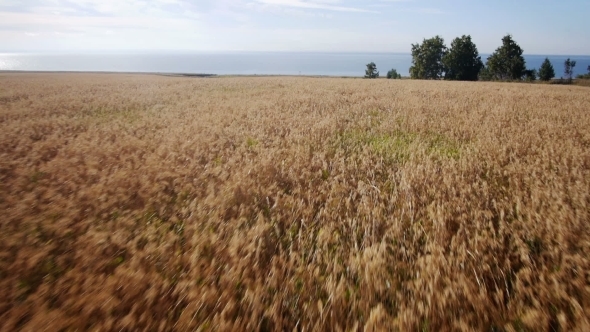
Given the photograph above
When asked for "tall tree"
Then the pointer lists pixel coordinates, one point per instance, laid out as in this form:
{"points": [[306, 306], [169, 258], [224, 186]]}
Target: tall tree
{"points": [[462, 62], [371, 71], [546, 71], [427, 59], [507, 62], [569, 68]]}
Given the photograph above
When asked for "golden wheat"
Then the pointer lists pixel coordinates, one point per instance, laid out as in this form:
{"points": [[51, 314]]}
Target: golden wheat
{"points": [[137, 202]]}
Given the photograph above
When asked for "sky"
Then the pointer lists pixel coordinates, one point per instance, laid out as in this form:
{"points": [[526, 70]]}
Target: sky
{"points": [[539, 26]]}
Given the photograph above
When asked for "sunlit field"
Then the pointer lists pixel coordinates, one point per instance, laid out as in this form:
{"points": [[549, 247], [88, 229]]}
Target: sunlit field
{"points": [[138, 202]]}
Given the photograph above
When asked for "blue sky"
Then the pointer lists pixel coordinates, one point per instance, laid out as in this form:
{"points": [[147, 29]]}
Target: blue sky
{"points": [[540, 26]]}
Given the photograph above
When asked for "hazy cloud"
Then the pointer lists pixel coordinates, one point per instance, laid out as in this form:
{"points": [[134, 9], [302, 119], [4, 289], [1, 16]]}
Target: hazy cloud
{"points": [[323, 5], [286, 25]]}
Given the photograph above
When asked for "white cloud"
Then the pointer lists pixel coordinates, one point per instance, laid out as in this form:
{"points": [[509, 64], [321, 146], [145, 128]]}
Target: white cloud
{"points": [[26, 20], [288, 25], [434, 11], [331, 5]]}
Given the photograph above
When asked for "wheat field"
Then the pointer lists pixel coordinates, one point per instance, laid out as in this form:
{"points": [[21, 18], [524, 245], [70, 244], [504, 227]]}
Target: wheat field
{"points": [[138, 202]]}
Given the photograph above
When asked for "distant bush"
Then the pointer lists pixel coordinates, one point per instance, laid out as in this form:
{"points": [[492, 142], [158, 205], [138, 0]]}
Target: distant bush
{"points": [[530, 75], [585, 76], [393, 74], [560, 81]]}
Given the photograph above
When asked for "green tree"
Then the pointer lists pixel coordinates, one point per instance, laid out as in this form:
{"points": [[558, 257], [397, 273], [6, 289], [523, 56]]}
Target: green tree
{"points": [[530, 75], [587, 75], [371, 71], [546, 71], [462, 62], [569, 69], [507, 62], [393, 74], [427, 59], [484, 74]]}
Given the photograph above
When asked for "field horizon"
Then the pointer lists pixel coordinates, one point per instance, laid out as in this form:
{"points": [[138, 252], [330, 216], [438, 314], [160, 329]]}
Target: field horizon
{"points": [[159, 202]]}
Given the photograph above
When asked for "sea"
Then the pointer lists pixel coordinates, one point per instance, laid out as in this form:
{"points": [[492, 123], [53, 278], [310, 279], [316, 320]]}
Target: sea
{"points": [[242, 63]]}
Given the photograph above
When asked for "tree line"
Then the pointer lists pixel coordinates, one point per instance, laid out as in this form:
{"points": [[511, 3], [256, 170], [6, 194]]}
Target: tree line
{"points": [[433, 60]]}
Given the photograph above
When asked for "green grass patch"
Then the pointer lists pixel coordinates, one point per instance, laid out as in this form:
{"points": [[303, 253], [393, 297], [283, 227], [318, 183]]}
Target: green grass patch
{"points": [[440, 145], [398, 146], [251, 142], [107, 114]]}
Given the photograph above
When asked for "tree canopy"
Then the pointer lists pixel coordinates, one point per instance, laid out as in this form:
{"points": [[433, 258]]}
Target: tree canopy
{"points": [[371, 71], [546, 71], [484, 74], [569, 68], [462, 62], [393, 74], [427, 59], [530, 75], [507, 62]]}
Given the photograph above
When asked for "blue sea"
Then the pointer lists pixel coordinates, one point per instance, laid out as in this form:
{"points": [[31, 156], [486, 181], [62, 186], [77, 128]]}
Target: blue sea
{"points": [[242, 63]]}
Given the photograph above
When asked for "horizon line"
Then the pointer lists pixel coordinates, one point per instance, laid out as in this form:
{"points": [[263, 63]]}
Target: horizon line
{"points": [[147, 51]]}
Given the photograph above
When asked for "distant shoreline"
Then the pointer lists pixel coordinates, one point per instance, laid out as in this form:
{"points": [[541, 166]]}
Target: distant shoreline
{"points": [[201, 75], [103, 72], [196, 75], [242, 64]]}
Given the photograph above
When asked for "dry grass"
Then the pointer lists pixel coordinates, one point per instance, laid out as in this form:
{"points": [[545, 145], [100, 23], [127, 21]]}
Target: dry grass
{"points": [[582, 81], [159, 203]]}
